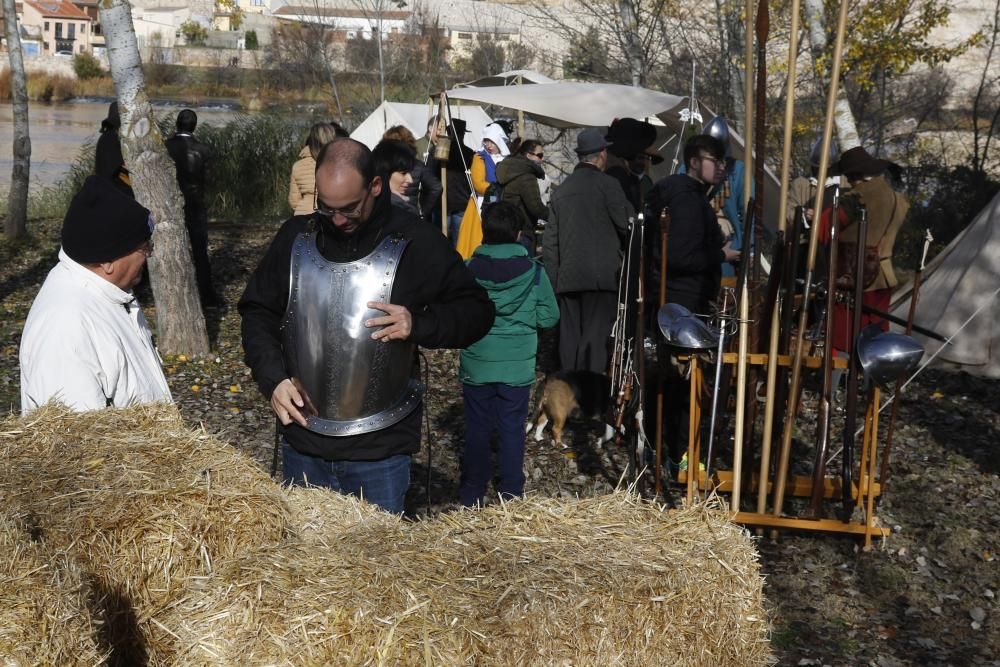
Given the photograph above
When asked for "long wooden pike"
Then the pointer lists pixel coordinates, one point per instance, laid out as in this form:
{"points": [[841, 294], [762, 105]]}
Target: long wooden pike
{"points": [[664, 237], [796, 381], [763, 29], [883, 470], [825, 412], [743, 298], [772, 347], [756, 248], [851, 405]]}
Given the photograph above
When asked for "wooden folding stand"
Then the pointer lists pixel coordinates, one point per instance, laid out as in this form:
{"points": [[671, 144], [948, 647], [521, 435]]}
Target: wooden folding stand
{"points": [[863, 491]]}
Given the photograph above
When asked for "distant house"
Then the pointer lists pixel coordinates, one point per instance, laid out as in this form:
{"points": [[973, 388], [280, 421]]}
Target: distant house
{"points": [[66, 29], [464, 39], [89, 7], [158, 26], [350, 23]]}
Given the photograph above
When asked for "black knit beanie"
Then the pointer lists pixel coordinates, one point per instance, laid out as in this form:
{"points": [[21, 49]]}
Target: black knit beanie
{"points": [[103, 224]]}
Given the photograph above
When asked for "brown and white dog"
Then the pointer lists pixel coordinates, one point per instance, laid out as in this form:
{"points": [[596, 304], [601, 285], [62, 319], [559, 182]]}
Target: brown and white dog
{"points": [[567, 391]]}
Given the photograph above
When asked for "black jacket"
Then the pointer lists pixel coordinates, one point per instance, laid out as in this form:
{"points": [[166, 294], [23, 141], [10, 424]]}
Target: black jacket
{"points": [[519, 177], [425, 190], [587, 222], [458, 164], [191, 158], [694, 245], [450, 310]]}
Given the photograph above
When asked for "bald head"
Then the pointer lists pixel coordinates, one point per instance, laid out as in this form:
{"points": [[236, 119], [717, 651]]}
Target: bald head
{"points": [[347, 153], [346, 184]]}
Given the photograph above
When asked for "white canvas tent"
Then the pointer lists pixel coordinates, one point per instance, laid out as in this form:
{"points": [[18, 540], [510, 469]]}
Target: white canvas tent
{"points": [[570, 104], [415, 117], [961, 280]]}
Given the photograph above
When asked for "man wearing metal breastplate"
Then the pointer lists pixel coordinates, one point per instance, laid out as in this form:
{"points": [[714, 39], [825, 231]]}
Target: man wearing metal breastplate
{"points": [[332, 317]]}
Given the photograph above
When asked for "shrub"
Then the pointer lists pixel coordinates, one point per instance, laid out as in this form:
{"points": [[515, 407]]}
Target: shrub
{"points": [[253, 156], [194, 33], [251, 42], [87, 66]]}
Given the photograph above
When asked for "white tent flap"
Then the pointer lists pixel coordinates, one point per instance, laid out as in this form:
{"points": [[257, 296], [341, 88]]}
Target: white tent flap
{"points": [[415, 117], [961, 280]]}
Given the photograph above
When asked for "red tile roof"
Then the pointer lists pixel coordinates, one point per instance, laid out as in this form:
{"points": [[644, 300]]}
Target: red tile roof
{"points": [[57, 9]]}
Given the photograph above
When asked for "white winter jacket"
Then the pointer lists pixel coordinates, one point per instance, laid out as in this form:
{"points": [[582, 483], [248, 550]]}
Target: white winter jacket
{"points": [[86, 344]]}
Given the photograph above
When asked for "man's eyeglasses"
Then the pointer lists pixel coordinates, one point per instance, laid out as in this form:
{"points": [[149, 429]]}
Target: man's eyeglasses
{"points": [[716, 161], [348, 212]]}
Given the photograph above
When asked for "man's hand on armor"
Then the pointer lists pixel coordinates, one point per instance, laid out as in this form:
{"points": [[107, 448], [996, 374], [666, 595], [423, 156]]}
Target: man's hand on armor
{"points": [[287, 403], [396, 324], [731, 255]]}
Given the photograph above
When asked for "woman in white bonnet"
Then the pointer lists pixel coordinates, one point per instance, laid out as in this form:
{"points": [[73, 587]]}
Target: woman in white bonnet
{"points": [[483, 171]]}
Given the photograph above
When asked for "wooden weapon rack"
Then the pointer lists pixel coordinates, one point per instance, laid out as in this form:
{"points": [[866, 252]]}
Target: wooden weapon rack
{"points": [[864, 487]]}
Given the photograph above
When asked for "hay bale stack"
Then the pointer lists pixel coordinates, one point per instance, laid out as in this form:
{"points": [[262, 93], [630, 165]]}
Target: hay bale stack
{"points": [[44, 618], [603, 581], [201, 560], [141, 501]]}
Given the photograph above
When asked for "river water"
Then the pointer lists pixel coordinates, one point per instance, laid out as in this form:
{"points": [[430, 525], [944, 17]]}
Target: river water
{"points": [[59, 130]]}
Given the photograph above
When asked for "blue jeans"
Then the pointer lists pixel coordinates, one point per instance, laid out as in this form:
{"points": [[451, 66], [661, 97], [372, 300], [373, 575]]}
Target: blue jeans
{"points": [[454, 223], [383, 483], [493, 408]]}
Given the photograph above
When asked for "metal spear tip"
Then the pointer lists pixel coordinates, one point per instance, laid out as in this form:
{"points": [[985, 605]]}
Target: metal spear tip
{"points": [[887, 357], [682, 329]]}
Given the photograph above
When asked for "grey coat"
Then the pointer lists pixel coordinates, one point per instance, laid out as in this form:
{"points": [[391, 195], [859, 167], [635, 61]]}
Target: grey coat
{"points": [[588, 219]]}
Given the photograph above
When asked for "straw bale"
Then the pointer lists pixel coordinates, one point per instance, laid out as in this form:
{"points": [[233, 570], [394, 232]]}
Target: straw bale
{"points": [[142, 501], [44, 618], [217, 565], [601, 581]]}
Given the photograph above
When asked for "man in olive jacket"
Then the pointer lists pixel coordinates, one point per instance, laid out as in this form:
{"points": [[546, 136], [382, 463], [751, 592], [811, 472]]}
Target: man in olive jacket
{"points": [[588, 219]]}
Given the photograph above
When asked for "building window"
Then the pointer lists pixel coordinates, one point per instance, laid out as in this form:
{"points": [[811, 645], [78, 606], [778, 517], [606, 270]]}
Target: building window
{"points": [[258, 3], [45, 45], [72, 31], [81, 48], [464, 35], [83, 28], [58, 30], [46, 26]]}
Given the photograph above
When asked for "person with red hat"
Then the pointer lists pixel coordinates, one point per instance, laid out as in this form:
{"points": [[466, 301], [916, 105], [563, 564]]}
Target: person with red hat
{"points": [[86, 343]]}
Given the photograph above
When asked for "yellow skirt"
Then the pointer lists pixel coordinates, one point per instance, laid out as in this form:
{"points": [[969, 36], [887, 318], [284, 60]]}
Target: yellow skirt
{"points": [[470, 232]]}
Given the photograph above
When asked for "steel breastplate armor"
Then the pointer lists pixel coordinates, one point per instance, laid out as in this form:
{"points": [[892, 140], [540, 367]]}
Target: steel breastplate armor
{"points": [[351, 383]]}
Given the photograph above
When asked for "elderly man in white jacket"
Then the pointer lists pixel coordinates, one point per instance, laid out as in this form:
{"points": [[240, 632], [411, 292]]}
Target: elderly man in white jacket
{"points": [[86, 343]]}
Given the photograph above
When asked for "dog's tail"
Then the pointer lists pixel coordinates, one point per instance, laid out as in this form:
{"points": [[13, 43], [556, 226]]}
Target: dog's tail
{"points": [[538, 401]]}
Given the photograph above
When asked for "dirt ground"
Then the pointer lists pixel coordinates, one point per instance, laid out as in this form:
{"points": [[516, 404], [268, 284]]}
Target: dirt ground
{"points": [[927, 595]]}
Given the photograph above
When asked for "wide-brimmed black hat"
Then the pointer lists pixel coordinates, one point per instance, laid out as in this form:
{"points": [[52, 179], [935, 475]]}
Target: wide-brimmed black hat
{"points": [[858, 161], [629, 137], [458, 126]]}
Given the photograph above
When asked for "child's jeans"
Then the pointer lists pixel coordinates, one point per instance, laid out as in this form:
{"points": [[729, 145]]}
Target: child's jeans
{"points": [[501, 409]]}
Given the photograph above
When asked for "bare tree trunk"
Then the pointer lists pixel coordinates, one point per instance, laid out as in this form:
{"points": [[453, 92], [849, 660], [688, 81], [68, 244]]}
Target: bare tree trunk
{"points": [[179, 320], [16, 223], [633, 44], [843, 117], [381, 62]]}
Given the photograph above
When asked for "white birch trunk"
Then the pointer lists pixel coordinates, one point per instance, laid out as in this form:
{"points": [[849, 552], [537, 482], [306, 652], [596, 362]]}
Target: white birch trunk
{"points": [[16, 223], [843, 117], [179, 320], [633, 45]]}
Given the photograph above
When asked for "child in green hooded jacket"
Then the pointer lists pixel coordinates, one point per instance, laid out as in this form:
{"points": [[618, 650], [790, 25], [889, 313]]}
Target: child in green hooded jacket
{"points": [[497, 371]]}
